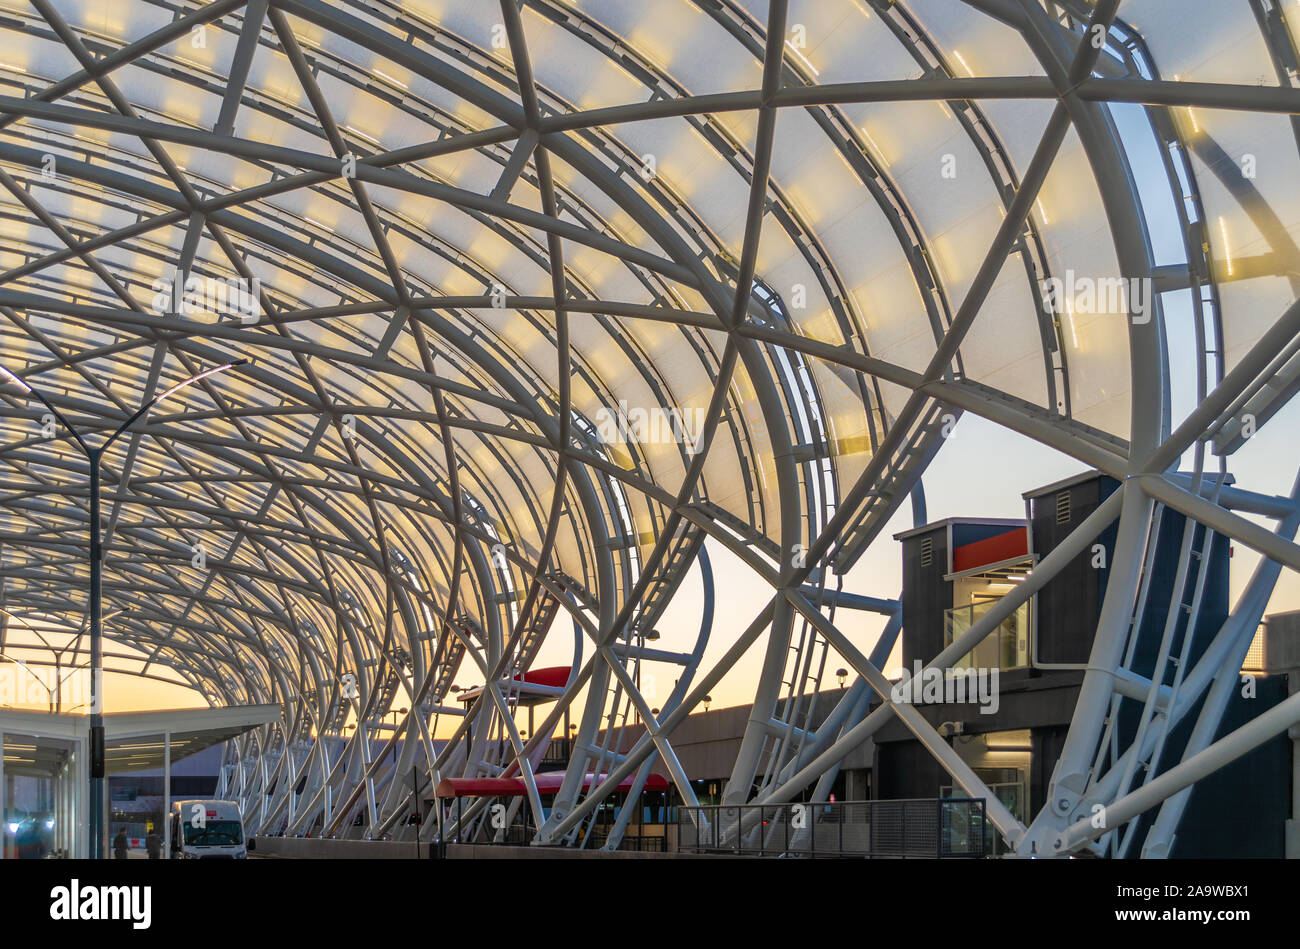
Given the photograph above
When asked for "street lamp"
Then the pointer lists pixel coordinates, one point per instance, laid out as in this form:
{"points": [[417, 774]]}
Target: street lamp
{"points": [[396, 713], [649, 636], [93, 457]]}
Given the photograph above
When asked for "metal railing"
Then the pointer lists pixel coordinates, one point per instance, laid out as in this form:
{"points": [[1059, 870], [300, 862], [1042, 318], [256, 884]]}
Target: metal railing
{"points": [[521, 835], [636, 843], [556, 757], [929, 827]]}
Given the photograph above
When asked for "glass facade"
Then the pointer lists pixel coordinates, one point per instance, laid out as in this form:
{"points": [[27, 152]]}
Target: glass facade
{"points": [[1008, 647]]}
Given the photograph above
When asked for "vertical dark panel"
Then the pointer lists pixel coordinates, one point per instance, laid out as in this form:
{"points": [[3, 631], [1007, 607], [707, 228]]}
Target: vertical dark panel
{"points": [[1046, 744], [1069, 605], [926, 596], [1165, 598], [1241, 810], [906, 769]]}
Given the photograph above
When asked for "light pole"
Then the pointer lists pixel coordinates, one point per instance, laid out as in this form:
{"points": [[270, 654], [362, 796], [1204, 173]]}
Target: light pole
{"points": [[649, 636], [93, 458], [395, 713]]}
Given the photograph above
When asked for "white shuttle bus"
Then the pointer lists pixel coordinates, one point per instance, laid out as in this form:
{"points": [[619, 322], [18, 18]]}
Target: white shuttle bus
{"points": [[205, 830]]}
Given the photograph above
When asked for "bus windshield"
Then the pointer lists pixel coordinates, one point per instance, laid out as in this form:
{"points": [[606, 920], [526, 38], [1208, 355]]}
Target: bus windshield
{"points": [[217, 833]]}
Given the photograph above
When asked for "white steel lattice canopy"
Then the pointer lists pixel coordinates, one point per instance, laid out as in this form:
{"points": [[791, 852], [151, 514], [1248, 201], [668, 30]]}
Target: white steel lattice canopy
{"points": [[463, 236]]}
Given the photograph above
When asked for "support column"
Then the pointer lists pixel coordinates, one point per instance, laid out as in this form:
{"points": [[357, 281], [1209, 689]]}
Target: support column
{"points": [[64, 818], [1293, 825], [4, 803], [1293, 687], [167, 795], [81, 797], [96, 743], [1114, 627], [60, 781], [766, 695]]}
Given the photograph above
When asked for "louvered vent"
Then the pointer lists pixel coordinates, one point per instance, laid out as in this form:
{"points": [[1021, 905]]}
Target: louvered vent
{"points": [[927, 551], [1063, 507]]}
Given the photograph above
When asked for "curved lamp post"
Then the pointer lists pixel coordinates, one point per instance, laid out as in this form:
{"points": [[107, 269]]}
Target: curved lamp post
{"points": [[94, 456]]}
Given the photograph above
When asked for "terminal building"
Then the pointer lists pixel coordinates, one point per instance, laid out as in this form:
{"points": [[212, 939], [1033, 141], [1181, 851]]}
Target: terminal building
{"points": [[956, 570]]}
